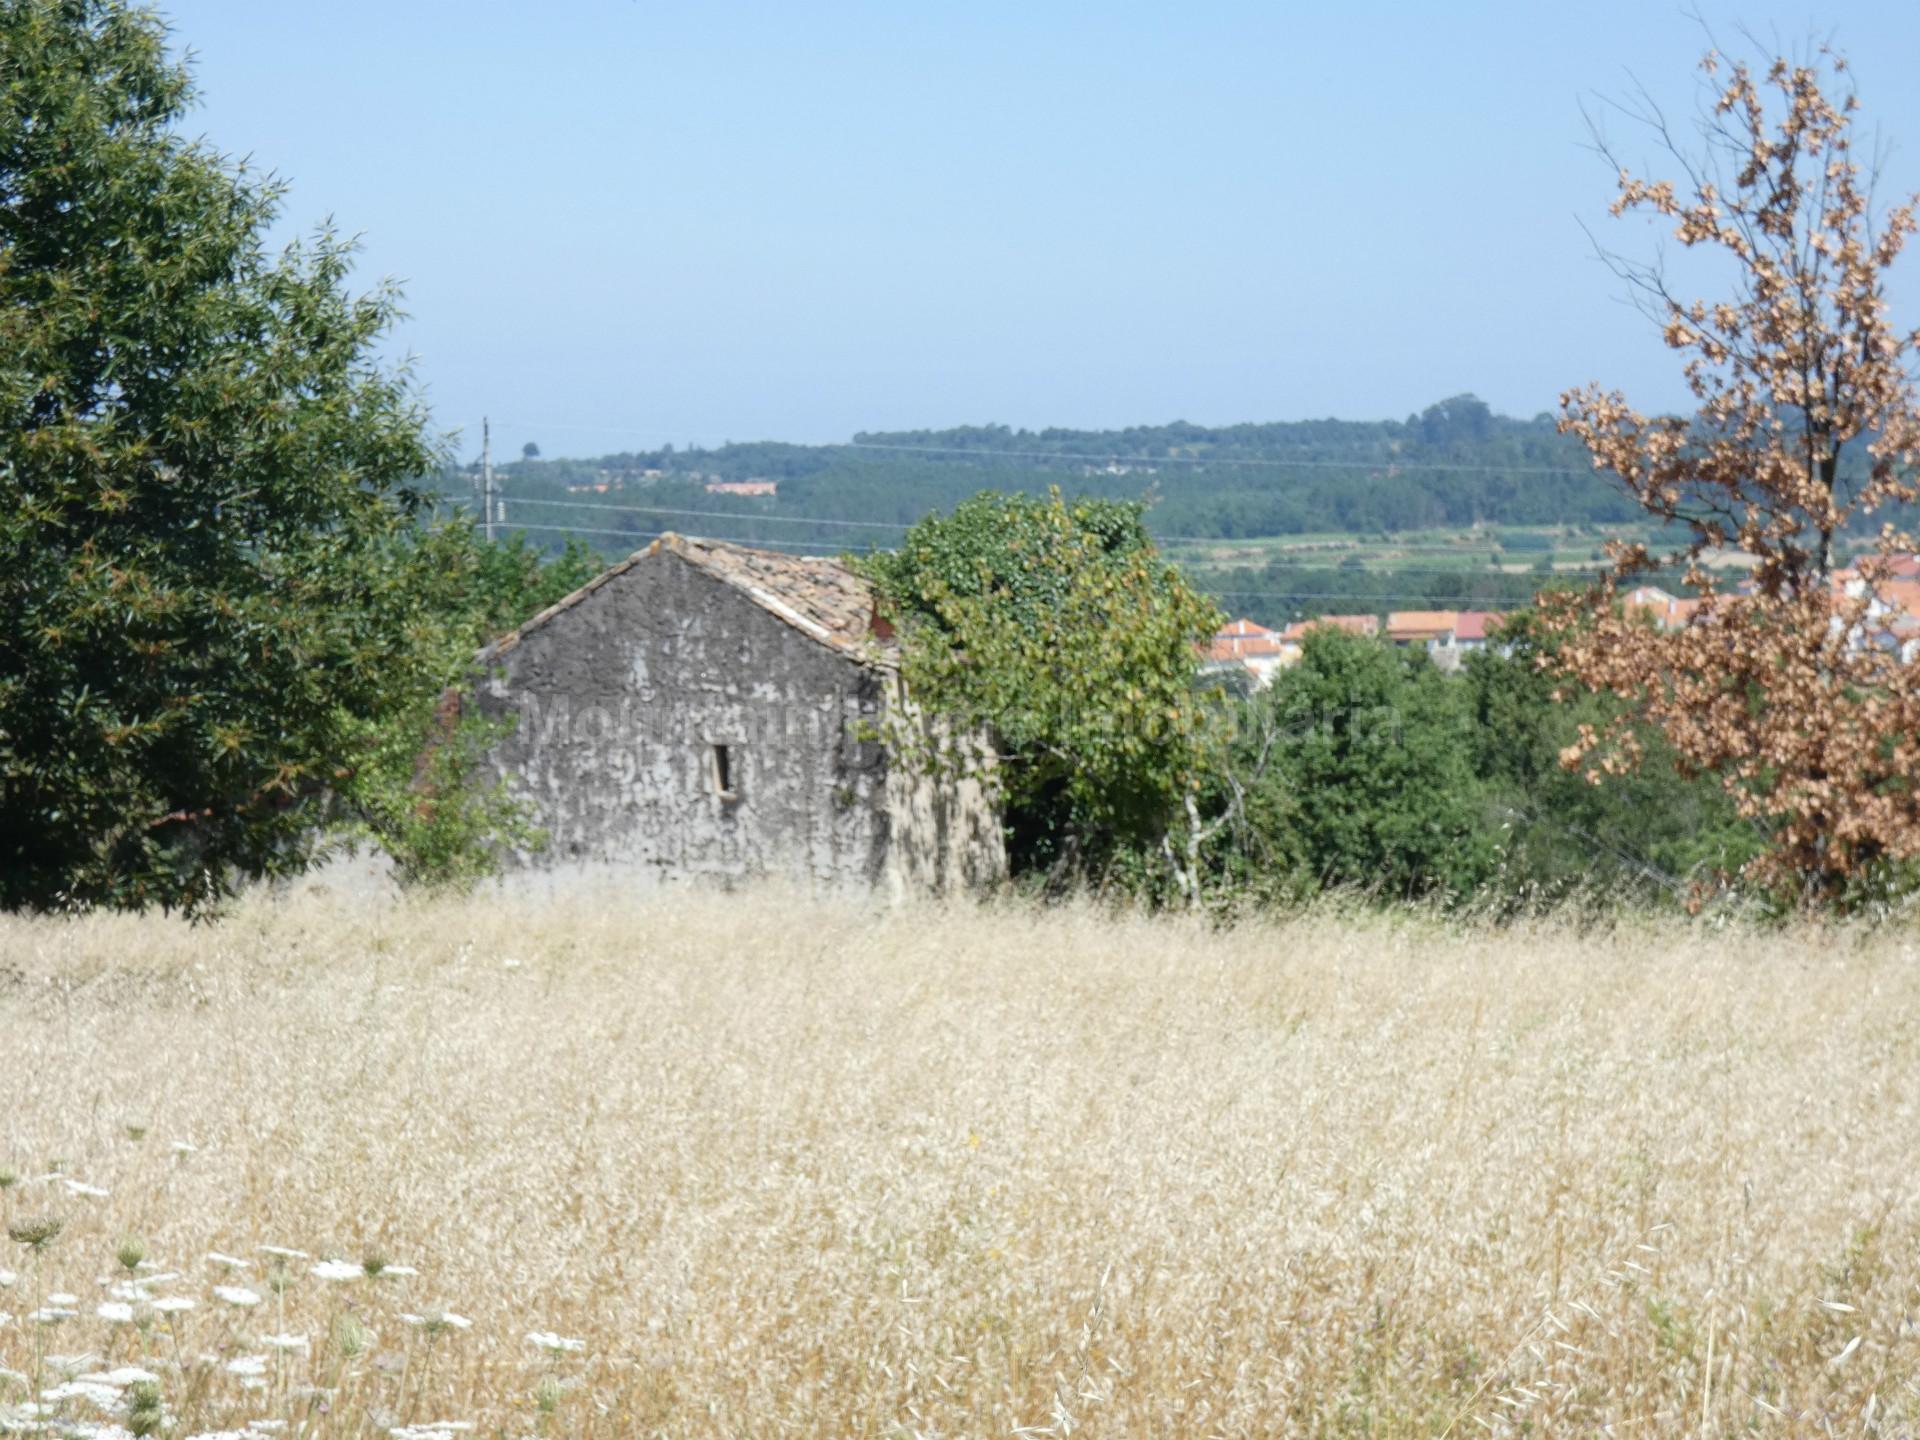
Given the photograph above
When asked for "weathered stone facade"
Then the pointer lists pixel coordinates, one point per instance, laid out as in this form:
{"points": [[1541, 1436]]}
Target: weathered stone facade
{"points": [[707, 712]]}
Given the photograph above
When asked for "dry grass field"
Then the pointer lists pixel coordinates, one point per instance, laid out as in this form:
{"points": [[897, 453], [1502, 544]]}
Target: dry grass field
{"points": [[788, 1168]]}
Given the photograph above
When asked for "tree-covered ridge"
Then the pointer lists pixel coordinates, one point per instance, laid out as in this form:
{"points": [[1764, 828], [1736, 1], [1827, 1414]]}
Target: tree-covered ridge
{"points": [[1457, 463]]}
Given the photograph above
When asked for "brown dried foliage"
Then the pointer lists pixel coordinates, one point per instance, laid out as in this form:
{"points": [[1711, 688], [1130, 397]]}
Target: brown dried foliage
{"points": [[1776, 687]]}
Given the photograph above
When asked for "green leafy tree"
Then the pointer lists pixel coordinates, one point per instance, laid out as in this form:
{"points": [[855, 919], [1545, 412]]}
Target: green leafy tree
{"points": [[512, 580], [220, 603], [1056, 629], [1655, 835], [1361, 774], [413, 790]]}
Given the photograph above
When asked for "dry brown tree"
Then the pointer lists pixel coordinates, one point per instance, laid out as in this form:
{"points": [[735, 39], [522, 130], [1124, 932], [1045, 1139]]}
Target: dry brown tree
{"points": [[1783, 684]]}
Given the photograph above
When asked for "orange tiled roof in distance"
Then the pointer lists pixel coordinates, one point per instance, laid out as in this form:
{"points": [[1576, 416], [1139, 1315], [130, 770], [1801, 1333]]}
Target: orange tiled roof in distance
{"points": [[1474, 624], [1421, 624], [1368, 625], [1243, 640]]}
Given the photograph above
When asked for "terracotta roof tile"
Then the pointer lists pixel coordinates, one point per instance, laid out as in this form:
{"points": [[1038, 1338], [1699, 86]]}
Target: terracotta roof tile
{"points": [[817, 596], [1352, 624], [1474, 624], [1243, 640], [1415, 624]]}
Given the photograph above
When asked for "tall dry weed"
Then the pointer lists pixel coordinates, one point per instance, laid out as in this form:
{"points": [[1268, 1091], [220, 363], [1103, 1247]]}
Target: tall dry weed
{"points": [[788, 1167]]}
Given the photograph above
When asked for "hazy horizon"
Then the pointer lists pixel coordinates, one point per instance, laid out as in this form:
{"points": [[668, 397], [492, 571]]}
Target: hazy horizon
{"points": [[622, 225]]}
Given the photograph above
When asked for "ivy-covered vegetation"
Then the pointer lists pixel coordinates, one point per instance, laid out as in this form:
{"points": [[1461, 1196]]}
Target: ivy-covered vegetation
{"points": [[1055, 630]]}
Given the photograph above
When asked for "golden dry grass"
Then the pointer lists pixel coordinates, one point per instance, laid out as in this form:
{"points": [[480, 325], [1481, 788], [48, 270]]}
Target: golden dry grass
{"points": [[790, 1168]]}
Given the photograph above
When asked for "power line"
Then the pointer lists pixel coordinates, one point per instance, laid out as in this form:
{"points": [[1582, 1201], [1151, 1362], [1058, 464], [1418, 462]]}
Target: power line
{"points": [[642, 537], [645, 536], [1111, 457], [1143, 460], [839, 523], [1462, 572], [1454, 572], [716, 514], [1385, 569], [1350, 598]]}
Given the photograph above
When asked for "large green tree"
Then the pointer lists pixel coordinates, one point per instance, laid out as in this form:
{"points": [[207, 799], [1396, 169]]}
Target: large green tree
{"points": [[1359, 773], [1055, 628], [220, 607]]}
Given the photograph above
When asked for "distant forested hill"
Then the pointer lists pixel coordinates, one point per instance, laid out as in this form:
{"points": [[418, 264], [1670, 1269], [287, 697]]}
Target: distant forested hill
{"points": [[1454, 464]]}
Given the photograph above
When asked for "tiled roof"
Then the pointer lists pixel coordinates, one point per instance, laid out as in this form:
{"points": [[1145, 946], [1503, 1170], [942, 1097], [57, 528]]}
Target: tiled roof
{"points": [[1901, 595], [1474, 624], [1352, 624], [817, 596], [1415, 623], [1243, 640]]}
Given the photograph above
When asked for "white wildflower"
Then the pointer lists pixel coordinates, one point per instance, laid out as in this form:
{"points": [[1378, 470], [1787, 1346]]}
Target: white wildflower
{"points": [[102, 1397], [386, 1270], [281, 1252], [7, 1277], [554, 1344], [173, 1304], [62, 1298], [237, 1295], [115, 1312], [185, 1147], [438, 1320], [231, 1262], [124, 1376], [337, 1270], [266, 1427], [247, 1365], [284, 1342], [80, 1187], [53, 1314]]}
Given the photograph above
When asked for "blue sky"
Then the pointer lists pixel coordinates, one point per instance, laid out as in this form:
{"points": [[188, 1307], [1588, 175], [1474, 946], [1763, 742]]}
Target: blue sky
{"points": [[622, 222]]}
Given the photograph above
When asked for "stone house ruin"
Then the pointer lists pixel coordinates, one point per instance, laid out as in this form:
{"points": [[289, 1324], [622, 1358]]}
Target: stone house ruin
{"points": [[703, 711]]}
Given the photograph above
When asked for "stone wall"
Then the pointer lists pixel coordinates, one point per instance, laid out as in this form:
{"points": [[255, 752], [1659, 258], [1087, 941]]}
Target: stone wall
{"points": [[668, 728]]}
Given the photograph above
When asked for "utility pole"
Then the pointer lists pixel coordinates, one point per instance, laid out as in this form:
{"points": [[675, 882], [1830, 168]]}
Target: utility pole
{"points": [[486, 474]]}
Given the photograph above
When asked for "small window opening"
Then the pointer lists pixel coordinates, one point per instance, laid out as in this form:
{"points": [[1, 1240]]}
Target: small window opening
{"points": [[723, 772]]}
